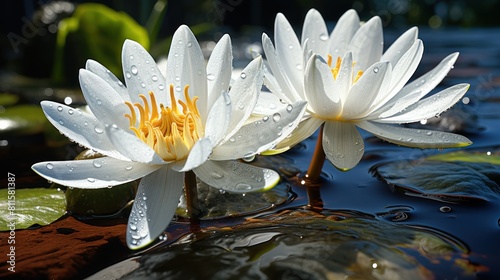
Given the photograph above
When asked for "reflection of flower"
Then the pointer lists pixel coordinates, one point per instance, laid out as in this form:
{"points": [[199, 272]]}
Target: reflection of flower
{"points": [[159, 127], [348, 82]]}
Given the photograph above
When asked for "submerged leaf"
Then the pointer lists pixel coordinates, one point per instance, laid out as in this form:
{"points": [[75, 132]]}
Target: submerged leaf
{"points": [[455, 176], [27, 207]]}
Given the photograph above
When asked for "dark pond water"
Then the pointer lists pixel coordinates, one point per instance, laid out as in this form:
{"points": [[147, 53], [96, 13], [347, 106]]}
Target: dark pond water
{"points": [[468, 230]]}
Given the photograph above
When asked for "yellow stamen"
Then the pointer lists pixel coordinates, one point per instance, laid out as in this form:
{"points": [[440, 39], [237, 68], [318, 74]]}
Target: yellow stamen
{"points": [[335, 70], [167, 130]]}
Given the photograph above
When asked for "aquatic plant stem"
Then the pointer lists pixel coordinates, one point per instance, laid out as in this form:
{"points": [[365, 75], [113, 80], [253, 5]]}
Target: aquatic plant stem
{"points": [[318, 159], [311, 179], [191, 190]]}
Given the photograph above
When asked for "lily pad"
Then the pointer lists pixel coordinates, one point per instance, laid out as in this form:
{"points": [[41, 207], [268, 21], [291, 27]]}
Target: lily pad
{"points": [[37, 206], [8, 99], [22, 120], [301, 244], [452, 177]]}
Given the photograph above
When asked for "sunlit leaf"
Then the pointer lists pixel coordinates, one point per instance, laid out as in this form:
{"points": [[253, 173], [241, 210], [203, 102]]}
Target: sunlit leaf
{"points": [[8, 99], [28, 207], [22, 120], [453, 176]]}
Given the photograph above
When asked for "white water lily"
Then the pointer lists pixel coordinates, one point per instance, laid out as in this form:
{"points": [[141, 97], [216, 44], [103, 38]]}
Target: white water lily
{"points": [[157, 127], [350, 82]]}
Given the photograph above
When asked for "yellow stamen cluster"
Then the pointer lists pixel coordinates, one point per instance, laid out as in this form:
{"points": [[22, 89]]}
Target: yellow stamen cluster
{"points": [[335, 70], [171, 132]]}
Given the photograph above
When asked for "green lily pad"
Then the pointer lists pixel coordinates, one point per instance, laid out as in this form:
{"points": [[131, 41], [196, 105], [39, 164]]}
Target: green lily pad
{"points": [[8, 99], [22, 120], [453, 177], [37, 206], [301, 244]]}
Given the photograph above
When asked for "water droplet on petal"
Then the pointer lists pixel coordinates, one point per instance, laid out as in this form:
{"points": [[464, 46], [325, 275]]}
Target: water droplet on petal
{"points": [[134, 69], [265, 118], [143, 85], [276, 117], [59, 108], [97, 164], [98, 129], [289, 108], [217, 175], [210, 77], [189, 44], [375, 70], [243, 187], [128, 75], [161, 87], [243, 75], [131, 57], [70, 111], [99, 102], [178, 88], [248, 157], [429, 133], [91, 180], [133, 227], [154, 78], [323, 37], [128, 168], [49, 166]]}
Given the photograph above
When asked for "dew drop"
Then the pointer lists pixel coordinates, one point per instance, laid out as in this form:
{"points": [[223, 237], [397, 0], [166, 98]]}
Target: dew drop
{"points": [[445, 209], [161, 87], [232, 139], [222, 191], [177, 78], [217, 175], [243, 187], [133, 227], [91, 180], [178, 88], [49, 166], [375, 70], [290, 47], [276, 117], [59, 108], [99, 102], [180, 42], [243, 75], [323, 37], [70, 111], [289, 108], [298, 66], [210, 77], [61, 122], [429, 133], [128, 75], [128, 168], [265, 118], [248, 157], [154, 78], [143, 85], [131, 57], [134, 69], [189, 44], [98, 129], [97, 164]]}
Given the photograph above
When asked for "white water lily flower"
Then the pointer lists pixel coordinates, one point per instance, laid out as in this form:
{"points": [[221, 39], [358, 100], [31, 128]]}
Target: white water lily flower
{"points": [[349, 82], [157, 128]]}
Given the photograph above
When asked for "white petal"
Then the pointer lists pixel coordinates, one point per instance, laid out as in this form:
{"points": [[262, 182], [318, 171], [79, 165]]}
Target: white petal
{"points": [[104, 102], [132, 147], [101, 71], [154, 206], [244, 94], [289, 51], [304, 130], [344, 79], [92, 173], [402, 44], [417, 138], [362, 94], [268, 103], [219, 69], [401, 73], [142, 74], [80, 127], [343, 145], [315, 30], [218, 119], [236, 177], [417, 89], [343, 32], [321, 94], [261, 135], [279, 73], [367, 44], [272, 84], [430, 106], [198, 155], [186, 66]]}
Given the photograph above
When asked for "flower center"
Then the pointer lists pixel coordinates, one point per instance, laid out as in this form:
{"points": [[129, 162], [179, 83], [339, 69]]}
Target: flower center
{"points": [[335, 70], [171, 132]]}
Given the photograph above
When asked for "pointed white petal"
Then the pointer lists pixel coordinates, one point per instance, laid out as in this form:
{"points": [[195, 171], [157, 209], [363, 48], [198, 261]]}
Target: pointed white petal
{"points": [[80, 127], [430, 106], [367, 44], [362, 94], [154, 206], [278, 71], [219, 69], [344, 79], [92, 173], [218, 119], [236, 177], [289, 51], [104, 102], [198, 155], [417, 89], [268, 103], [417, 138], [142, 74], [186, 66], [343, 145], [261, 135], [304, 130], [320, 93], [132, 147], [401, 73], [272, 84], [343, 32], [400, 46], [244, 94], [101, 71], [315, 30]]}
